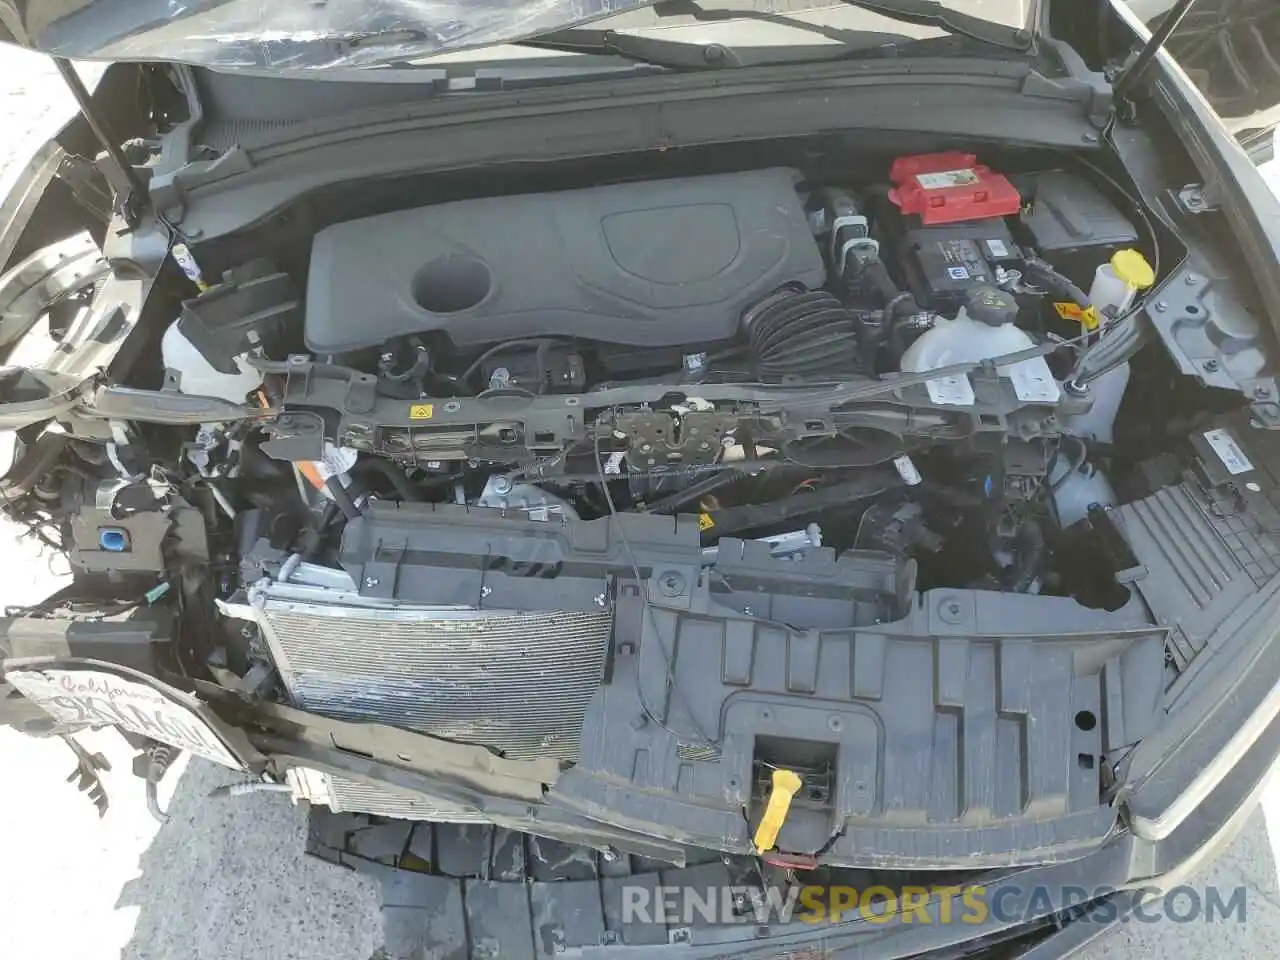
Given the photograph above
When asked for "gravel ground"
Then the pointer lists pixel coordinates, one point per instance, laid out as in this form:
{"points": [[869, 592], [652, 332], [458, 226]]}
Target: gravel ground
{"points": [[226, 879]]}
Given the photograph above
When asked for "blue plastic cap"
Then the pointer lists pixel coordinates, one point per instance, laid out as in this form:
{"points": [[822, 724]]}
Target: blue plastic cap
{"points": [[113, 539]]}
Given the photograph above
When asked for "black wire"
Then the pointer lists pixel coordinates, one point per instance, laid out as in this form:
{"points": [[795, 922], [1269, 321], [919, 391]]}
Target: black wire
{"points": [[673, 502], [34, 528], [703, 739]]}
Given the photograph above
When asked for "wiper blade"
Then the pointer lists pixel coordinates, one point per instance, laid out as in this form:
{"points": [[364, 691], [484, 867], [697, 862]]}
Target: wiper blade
{"points": [[672, 54], [684, 55], [931, 13]]}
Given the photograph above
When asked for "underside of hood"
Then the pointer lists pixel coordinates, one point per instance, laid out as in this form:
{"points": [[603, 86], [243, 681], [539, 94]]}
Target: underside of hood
{"points": [[344, 34]]}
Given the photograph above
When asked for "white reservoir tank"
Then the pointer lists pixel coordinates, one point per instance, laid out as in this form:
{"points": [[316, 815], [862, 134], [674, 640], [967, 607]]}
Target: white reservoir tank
{"points": [[198, 377], [982, 329], [1115, 286]]}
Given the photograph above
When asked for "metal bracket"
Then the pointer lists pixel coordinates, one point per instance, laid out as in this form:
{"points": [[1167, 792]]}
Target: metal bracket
{"points": [[295, 436], [362, 393], [1195, 198], [87, 186]]}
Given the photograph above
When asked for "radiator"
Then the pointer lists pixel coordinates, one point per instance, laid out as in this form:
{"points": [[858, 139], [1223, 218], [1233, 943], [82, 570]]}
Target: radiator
{"points": [[518, 682]]}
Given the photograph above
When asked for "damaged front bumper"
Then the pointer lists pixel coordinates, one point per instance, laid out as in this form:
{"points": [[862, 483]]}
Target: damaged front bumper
{"points": [[463, 890], [952, 736]]}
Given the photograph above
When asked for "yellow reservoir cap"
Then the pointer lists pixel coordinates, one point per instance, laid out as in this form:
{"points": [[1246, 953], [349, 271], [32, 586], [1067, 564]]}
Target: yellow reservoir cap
{"points": [[1132, 268], [784, 786]]}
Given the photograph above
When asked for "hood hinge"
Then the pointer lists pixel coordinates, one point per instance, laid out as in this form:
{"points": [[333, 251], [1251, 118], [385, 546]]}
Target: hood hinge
{"points": [[129, 189], [1132, 72]]}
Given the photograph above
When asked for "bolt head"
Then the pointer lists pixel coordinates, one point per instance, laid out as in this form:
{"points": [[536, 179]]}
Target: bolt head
{"points": [[1211, 365], [1161, 306]]}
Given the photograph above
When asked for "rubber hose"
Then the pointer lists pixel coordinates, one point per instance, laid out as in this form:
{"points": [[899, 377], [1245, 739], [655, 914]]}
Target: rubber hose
{"points": [[394, 475], [342, 497], [877, 274]]}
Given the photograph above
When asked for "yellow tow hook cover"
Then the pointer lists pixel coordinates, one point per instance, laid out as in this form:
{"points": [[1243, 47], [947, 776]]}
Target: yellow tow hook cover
{"points": [[785, 785]]}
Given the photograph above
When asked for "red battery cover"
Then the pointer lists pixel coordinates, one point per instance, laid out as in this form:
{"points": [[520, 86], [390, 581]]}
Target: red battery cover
{"points": [[951, 187]]}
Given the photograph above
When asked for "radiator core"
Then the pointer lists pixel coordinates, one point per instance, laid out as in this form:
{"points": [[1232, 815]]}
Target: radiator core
{"points": [[518, 682]]}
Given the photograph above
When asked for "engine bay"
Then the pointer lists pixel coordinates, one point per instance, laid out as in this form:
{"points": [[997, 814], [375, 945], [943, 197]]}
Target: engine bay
{"points": [[595, 435], [800, 362]]}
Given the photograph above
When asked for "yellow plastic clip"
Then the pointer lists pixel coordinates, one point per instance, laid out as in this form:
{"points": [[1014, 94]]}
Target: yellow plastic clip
{"points": [[785, 785]]}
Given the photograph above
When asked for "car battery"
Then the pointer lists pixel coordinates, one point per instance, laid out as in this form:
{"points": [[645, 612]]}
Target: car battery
{"points": [[944, 264], [946, 223]]}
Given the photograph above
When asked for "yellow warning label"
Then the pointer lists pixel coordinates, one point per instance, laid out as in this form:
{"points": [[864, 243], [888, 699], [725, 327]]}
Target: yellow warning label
{"points": [[705, 522], [421, 411], [1089, 318]]}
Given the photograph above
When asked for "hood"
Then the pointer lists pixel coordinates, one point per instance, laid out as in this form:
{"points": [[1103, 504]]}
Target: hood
{"points": [[344, 34]]}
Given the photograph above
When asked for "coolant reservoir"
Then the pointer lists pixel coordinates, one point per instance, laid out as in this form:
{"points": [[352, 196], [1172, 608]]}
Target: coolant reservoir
{"points": [[983, 329], [198, 377]]}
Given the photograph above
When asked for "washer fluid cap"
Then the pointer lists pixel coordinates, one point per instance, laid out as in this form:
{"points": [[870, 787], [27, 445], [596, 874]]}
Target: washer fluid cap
{"points": [[1132, 268]]}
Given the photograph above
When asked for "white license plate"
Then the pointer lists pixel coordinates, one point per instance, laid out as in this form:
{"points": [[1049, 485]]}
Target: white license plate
{"points": [[105, 697]]}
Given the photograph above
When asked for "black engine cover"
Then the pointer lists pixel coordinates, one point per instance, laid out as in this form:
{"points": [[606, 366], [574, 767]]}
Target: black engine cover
{"points": [[656, 263]]}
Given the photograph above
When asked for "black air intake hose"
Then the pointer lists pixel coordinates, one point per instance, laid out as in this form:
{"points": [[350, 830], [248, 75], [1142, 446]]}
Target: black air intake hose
{"points": [[795, 332]]}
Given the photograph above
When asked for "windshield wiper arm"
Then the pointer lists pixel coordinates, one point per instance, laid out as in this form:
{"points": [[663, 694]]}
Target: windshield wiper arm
{"points": [[673, 54], [683, 55]]}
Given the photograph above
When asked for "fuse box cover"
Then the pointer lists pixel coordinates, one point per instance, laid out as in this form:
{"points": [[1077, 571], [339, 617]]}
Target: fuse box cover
{"points": [[950, 188]]}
